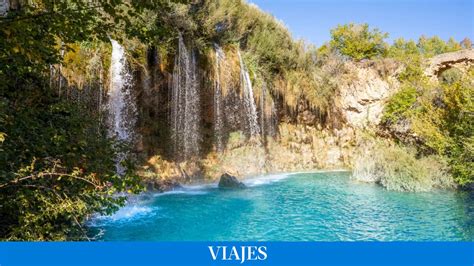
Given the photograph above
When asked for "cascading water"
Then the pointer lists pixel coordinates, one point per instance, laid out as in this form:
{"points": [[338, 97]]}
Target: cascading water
{"points": [[218, 110], [249, 101], [121, 104], [185, 112], [268, 113], [263, 109], [272, 121]]}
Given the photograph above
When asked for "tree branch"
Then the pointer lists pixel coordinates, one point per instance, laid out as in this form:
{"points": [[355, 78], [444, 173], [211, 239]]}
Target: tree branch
{"points": [[40, 175]]}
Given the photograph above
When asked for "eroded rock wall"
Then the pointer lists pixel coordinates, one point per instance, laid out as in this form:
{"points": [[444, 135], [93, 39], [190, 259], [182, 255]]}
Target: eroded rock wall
{"points": [[461, 60], [361, 100]]}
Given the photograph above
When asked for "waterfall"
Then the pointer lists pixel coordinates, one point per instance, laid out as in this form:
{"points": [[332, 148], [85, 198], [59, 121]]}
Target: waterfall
{"points": [[273, 121], [121, 104], [218, 110], [263, 101], [249, 101], [185, 117]]}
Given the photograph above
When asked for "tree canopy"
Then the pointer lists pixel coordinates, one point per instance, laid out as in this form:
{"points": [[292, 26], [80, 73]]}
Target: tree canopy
{"points": [[358, 41]]}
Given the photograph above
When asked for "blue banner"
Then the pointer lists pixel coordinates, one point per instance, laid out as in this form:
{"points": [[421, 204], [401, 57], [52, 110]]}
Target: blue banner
{"points": [[237, 253]]}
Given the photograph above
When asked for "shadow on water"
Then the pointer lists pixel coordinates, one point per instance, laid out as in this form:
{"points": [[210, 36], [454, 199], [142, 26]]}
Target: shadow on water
{"points": [[466, 211]]}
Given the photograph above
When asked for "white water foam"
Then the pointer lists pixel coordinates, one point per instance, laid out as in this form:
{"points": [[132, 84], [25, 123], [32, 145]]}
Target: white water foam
{"points": [[125, 214], [266, 179], [131, 212], [273, 178], [200, 189]]}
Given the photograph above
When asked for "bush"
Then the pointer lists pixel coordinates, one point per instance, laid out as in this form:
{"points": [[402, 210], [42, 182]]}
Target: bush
{"points": [[399, 105], [397, 168], [440, 116], [358, 41], [451, 76], [431, 46], [458, 126]]}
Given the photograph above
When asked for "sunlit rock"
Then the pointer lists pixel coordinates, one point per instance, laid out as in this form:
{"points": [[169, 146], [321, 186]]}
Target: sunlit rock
{"points": [[461, 60], [362, 99]]}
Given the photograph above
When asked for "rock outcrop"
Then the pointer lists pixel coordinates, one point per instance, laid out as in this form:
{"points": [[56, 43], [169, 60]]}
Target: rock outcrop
{"points": [[460, 59], [299, 143], [361, 100], [4, 7], [230, 182], [362, 97]]}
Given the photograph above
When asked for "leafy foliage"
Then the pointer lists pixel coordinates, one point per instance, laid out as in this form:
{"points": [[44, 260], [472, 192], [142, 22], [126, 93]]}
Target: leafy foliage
{"points": [[57, 170], [358, 41], [288, 67], [440, 116], [435, 45], [56, 167], [57, 164], [32, 35], [400, 104], [397, 168]]}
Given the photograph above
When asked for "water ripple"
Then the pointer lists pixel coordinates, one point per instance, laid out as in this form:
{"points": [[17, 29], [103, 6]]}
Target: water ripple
{"points": [[324, 206]]}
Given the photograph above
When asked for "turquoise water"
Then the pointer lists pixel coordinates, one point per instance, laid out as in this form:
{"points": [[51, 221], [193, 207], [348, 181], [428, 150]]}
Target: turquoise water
{"points": [[297, 207]]}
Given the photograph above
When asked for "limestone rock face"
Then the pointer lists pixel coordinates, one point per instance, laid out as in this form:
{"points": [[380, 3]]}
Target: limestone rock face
{"points": [[4, 7], [460, 59], [230, 182], [363, 98]]}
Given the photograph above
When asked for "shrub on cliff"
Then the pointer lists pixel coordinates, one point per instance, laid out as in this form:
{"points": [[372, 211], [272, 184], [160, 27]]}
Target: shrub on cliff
{"points": [[431, 46], [358, 41], [440, 116], [399, 105]]}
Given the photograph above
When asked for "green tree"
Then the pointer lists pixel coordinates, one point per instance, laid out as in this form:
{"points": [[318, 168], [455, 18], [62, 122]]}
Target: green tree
{"points": [[441, 119], [57, 170], [358, 41], [466, 43], [399, 105], [403, 50], [56, 163], [431, 46]]}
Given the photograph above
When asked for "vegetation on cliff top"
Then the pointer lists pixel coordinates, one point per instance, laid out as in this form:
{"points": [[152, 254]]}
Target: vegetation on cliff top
{"points": [[438, 119]]}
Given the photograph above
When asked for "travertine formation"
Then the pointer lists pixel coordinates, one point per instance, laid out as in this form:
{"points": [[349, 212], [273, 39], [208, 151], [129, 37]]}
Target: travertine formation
{"points": [[461, 59], [361, 101]]}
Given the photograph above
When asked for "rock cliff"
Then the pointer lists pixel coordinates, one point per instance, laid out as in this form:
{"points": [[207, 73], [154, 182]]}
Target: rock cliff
{"points": [[362, 94], [461, 60], [361, 100]]}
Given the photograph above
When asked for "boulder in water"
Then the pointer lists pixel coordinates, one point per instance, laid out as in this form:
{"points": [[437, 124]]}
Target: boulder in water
{"points": [[230, 182]]}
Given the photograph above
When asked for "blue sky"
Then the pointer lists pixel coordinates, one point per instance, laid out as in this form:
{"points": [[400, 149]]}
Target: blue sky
{"points": [[313, 19]]}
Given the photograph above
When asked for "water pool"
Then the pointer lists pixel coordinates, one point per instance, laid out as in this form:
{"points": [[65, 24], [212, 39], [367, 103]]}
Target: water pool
{"points": [[321, 206]]}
